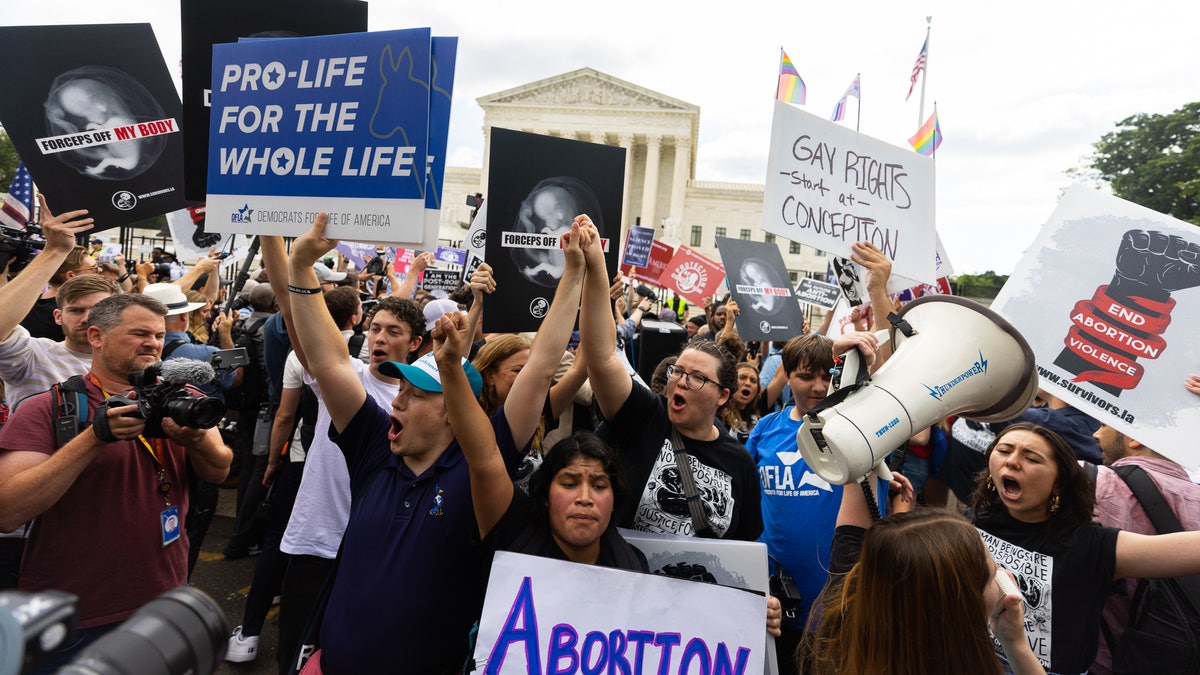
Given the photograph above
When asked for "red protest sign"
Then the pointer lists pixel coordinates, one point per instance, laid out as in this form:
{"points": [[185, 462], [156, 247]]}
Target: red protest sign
{"points": [[692, 275]]}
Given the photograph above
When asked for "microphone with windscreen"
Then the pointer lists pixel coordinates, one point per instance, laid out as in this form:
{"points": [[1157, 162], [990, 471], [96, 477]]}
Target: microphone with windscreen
{"points": [[162, 391]]}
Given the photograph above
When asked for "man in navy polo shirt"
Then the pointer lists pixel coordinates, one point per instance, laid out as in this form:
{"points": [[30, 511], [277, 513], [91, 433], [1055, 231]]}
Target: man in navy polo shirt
{"points": [[409, 584]]}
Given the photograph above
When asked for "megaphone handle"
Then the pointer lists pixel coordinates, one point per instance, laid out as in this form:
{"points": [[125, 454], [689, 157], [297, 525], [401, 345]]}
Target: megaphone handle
{"points": [[881, 469], [872, 500]]}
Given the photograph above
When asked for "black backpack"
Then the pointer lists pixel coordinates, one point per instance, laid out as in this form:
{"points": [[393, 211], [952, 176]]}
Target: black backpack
{"points": [[1163, 633], [252, 392]]}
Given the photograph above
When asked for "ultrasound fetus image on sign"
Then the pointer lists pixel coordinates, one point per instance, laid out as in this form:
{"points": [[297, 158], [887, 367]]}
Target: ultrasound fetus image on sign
{"points": [[549, 209], [95, 98]]}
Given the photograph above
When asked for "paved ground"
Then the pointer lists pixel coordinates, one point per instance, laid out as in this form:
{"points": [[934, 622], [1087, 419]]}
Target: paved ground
{"points": [[227, 581]]}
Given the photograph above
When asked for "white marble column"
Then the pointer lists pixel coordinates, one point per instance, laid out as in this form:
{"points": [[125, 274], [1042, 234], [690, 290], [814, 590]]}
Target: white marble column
{"points": [[626, 141], [650, 181], [679, 178]]}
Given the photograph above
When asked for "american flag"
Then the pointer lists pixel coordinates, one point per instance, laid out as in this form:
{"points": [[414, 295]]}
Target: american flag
{"points": [[18, 204], [918, 66]]}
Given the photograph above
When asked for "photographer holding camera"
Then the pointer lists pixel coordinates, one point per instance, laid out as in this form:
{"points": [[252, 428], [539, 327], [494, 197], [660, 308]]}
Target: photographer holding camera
{"points": [[110, 501]]}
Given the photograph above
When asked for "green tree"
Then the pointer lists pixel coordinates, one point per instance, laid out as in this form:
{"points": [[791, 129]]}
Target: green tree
{"points": [[985, 285], [8, 160], [1154, 160]]}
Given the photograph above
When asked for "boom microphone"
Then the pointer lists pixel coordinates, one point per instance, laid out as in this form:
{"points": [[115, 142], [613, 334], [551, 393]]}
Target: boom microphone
{"points": [[186, 371]]}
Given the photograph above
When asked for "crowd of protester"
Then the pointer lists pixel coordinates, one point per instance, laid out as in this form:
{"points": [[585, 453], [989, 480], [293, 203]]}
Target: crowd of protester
{"points": [[368, 412]]}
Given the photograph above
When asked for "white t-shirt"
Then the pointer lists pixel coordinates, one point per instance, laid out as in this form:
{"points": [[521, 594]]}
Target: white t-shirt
{"points": [[30, 365], [293, 378], [322, 506]]}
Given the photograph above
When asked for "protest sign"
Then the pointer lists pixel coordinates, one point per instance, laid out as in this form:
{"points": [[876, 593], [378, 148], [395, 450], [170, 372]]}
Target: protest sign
{"points": [[818, 293], [660, 256], [638, 242], [333, 123], [443, 58], [737, 564], [847, 319], [692, 275], [942, 267], [536, 187], [829, 186], [543, 615], [440, 282], [189, 237], [450, 256], [767, 307], [942, 287], [205, 23], [93, 112], [1108, 299]]}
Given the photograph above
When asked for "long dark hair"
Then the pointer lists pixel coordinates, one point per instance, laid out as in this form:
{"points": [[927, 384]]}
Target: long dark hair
{"points": [[580, 444], [1076, 492]]}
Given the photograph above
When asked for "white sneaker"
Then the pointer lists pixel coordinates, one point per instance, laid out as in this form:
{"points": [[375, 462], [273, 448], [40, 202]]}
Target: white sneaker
{"points": [[241, 649]]}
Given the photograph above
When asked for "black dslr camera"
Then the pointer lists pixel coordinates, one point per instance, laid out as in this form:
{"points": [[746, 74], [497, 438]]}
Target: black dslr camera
{"points": [[17, 248], [170, 398]]}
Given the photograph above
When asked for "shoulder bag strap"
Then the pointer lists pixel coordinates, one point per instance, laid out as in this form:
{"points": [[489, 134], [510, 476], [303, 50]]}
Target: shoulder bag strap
{"points": [[1150, 497], [700, 524]]}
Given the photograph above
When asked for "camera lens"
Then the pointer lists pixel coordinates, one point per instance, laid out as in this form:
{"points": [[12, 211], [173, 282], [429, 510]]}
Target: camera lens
{"points": [[200, 412], [180, 631]]}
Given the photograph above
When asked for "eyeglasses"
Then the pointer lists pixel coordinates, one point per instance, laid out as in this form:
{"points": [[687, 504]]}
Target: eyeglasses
{"points": [[691, 380]]}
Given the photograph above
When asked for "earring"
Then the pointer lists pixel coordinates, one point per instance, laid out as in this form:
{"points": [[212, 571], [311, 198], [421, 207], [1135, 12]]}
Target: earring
{"points": [[1053, 504], [989, 485]]}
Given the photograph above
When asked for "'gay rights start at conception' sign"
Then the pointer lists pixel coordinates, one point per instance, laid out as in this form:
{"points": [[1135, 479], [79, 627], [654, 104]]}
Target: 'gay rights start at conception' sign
{"points": [[335, 123], [828, 186]]}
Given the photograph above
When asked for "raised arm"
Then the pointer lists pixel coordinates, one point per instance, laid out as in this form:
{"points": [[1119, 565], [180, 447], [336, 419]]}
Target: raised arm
{"points": [[18, 296], [527, 398], [610, 383], [491, 488], [209, 265], [314, 331], [405, 289]]}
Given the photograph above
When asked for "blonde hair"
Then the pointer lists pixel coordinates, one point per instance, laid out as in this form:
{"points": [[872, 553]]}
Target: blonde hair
{"points": [[197, 321]]}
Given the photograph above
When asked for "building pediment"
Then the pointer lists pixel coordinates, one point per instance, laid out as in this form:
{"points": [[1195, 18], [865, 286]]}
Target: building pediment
{"points": [[586, 87]]}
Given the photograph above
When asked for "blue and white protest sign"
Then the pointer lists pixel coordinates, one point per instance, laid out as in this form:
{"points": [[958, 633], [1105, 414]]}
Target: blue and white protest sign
{"points": [[551, 616], [444, 57], [450, 256], [828, 186], [336, 123], [638, 243]]}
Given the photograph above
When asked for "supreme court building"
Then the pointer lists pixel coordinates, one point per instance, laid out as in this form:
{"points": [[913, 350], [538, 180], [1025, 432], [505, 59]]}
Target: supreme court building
{"points": [[659, 134]]}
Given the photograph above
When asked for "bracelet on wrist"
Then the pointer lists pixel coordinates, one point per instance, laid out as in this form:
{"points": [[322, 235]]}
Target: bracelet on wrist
{"points": [[303, 291]]}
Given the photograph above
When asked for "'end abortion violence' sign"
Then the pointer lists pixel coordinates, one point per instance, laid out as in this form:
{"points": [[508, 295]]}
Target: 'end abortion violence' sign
{"points": [[828, 186], [334, 123]]}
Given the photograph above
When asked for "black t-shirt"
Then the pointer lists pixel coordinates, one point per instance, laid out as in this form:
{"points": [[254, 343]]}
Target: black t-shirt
{"points": [[724, 472], [1065, 573], [40, 320]]}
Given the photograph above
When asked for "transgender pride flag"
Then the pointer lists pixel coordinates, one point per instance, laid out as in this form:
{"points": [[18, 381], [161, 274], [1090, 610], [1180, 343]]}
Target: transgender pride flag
{"points": [[791, 87], [855, 90]]}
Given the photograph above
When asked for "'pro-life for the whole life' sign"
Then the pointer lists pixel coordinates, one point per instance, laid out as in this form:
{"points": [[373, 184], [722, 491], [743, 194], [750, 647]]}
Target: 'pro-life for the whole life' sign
{"points": [[335, 123]]}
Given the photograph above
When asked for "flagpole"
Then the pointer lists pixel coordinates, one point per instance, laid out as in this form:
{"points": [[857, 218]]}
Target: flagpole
{"points": [[924, 72], [779, 74], [933, 154], [858, 103]]}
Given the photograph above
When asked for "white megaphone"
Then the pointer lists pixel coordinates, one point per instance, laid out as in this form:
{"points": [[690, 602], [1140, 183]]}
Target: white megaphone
{"points": [[950, 356]]}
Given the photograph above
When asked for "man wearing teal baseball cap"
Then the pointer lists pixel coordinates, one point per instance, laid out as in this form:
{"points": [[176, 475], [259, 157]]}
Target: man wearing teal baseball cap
{"points": [[409, 582]]}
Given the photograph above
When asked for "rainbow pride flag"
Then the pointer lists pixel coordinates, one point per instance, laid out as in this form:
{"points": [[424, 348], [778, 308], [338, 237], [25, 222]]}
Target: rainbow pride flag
{"points": [[790, 88], [928, 137]]}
